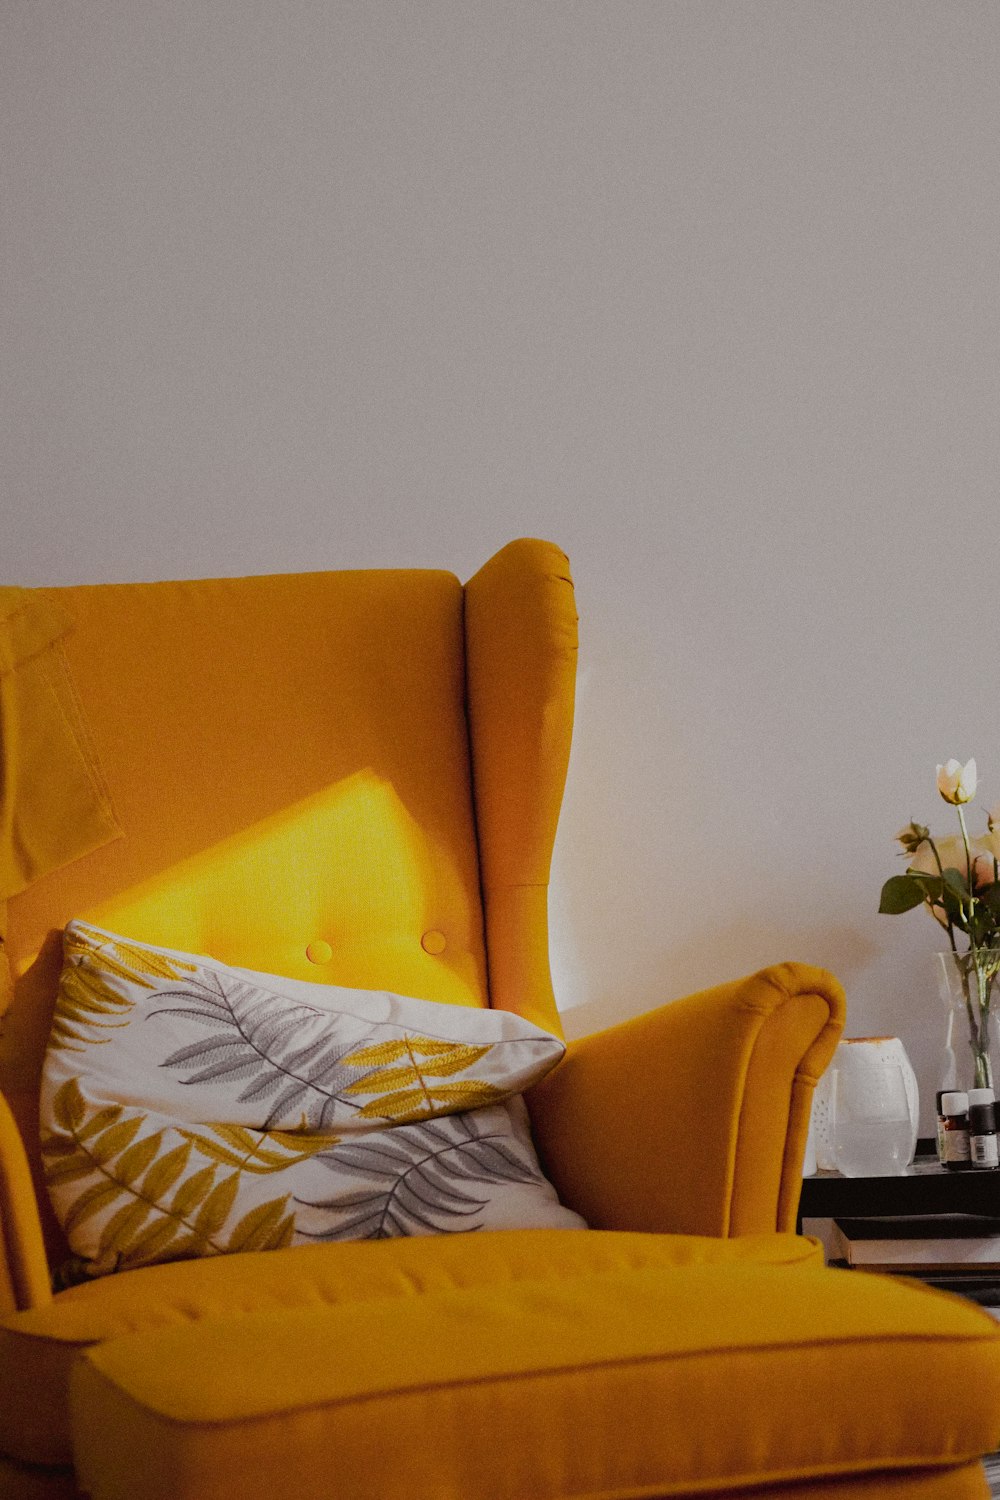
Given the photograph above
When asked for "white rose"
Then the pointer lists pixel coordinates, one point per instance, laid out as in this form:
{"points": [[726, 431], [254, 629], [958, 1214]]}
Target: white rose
{"points": [[957, 783]]}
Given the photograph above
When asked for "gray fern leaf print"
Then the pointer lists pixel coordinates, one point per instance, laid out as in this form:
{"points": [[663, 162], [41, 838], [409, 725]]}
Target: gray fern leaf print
{"points": [[419, 1179], [269, 1044]]}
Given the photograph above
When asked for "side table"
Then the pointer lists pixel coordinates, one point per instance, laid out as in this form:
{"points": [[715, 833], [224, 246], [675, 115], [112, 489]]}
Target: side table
{"points": [[926, 1189]]}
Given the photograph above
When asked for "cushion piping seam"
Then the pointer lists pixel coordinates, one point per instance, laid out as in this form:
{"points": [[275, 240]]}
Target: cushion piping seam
{"points": [[522, 1376]]}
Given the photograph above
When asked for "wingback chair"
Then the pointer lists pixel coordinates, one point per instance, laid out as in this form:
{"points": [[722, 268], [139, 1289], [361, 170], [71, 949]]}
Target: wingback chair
{"points": [[355, 778]]}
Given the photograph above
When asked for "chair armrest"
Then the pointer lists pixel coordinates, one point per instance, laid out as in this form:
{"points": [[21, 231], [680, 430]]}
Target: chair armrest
{"points": [[692, 1119], [24, 1271]]}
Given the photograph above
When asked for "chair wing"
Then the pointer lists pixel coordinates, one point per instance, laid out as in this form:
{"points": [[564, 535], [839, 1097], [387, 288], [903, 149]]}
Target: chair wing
{"points": [[521, 643]]}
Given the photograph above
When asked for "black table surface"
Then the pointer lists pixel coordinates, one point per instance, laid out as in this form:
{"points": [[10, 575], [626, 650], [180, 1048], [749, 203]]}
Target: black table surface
{"points": [[926, 1188]]}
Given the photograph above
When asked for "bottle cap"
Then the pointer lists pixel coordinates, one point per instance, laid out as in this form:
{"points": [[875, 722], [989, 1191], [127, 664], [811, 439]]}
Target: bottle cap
{"points": [[954, 1104], [981, 1096], [982, 1119]]}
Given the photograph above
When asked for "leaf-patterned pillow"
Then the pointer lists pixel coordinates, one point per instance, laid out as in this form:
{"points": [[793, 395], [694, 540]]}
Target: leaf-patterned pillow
{"points": [[190, 1108]]}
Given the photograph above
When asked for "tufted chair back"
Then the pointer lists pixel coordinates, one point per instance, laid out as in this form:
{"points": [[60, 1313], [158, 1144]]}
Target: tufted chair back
{"points": [[349, 777]]}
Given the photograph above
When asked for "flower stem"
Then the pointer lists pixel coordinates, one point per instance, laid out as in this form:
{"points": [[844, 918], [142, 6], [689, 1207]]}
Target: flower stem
{"points": [[951, 925], [971, 929]]}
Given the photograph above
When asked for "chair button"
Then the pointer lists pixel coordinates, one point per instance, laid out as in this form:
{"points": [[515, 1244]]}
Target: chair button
{"points": [[319, 952], [433, 942]]}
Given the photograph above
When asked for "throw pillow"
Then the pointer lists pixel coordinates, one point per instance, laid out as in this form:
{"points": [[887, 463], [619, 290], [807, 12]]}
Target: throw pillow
{"points": [[191, 1108]]}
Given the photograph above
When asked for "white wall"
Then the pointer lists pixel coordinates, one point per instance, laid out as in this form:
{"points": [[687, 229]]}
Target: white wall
{"points": [[705, 290]]}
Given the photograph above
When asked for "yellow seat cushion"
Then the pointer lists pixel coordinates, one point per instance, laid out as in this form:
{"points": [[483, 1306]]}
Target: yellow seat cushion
{"points": [[626, 1382], [38, 1347]]}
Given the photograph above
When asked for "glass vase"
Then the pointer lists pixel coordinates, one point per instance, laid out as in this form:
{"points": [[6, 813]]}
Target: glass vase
{"points": [[967, 984]]}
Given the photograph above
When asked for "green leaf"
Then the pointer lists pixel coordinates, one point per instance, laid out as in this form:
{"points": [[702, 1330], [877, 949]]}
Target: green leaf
{"points": [[956, 883], [901, 893], [990, 897]]}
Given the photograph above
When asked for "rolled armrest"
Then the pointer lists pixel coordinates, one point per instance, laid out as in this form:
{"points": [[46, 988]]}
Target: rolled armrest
{"points": [[692, 1119], [24, 1271]]}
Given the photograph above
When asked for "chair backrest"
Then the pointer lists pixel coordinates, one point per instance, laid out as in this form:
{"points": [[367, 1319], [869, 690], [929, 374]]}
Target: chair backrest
{"points": [[351, 778]]}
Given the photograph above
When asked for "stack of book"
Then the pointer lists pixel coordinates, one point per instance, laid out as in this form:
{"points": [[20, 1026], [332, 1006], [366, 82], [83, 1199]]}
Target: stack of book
{"points": [[959, 1249]]}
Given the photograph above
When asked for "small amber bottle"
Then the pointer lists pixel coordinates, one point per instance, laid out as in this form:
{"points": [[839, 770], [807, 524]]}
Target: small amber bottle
{"points": [[955, 1110]]}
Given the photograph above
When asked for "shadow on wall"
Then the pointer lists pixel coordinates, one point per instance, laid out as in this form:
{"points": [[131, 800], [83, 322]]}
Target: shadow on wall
{"points": [[738, 949]]}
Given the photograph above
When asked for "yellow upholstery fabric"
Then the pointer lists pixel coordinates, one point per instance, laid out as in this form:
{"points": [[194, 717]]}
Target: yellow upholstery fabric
{"points": [[37, 1347], [24, 1274], [521, 645], [637, 1382], [54, 805], [754, 1048], [330, 711], [289, 761], [967, 1482]]}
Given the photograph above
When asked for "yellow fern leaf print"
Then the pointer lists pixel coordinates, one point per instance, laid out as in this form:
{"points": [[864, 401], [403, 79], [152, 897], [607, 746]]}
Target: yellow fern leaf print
{"points": [[158, 1213], [376, 1055], [409, 1091], [91, 996], [235, 1146], [423, 1103], [266, 1227], [463, 1054], [129, 960]]}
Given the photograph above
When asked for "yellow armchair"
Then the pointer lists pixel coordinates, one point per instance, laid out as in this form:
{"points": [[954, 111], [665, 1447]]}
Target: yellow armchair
{"points": [[356, 778]]}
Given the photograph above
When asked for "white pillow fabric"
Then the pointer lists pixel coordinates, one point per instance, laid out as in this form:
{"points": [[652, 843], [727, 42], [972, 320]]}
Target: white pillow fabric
{"points": [[191, 1108]]}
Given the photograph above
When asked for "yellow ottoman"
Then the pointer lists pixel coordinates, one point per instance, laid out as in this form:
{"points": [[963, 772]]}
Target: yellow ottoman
{"points": [[39, 1346], [632, 1382]]}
